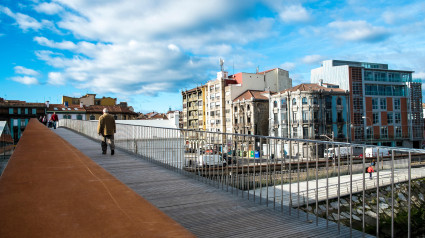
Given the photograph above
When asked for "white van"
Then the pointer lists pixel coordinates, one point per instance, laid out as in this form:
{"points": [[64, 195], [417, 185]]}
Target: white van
{"points": [[211, 160], [343, 151], [373, 152]]}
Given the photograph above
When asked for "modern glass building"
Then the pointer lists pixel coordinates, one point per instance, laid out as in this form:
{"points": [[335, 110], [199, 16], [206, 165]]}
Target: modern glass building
{"points": [[385, 104]]}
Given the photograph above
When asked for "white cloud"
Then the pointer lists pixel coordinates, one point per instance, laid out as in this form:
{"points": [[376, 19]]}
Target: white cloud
{"points": [[64, 45], [288, 66], [404, 13], [160, 48], [48, 8], [25, 71], [294, 13], [26, 22], [357, 31], [312, 59], [56, 78], [25, 80], [173, 47], [419, 75]]}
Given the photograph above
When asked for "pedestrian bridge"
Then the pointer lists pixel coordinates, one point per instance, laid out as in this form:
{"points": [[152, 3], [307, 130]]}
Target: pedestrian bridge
{"points": [[58, 182]]}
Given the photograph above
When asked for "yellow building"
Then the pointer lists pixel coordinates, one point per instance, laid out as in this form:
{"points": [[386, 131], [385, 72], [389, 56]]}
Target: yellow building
{"points": [[89, 100], [194, 108]]}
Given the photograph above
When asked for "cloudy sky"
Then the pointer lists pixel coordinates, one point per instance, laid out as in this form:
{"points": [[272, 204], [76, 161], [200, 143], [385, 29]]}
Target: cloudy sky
{"points": [[146, 51]]}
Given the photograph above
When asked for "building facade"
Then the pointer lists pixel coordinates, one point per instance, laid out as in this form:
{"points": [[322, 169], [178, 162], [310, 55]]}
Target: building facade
{"points": [[194, 108], [250, 116], [120, 113], [75, 112], [310, 111], [224, 89], [18, 113], [385, 104], [88, 100]]}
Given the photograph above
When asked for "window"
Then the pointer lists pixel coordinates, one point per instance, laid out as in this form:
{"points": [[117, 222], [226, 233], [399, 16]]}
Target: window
{"points": [[369, 132], [397, 118], [26, 111], [396, 103], [338, 101], [79, 117], [340, 117], [294, 101], [115, 117], [305, 116], [275, 104], [236, 109], [236, 120], [368, 75], [248, 108], [294, 132], [375, 118], [92, 117], [34, 111], [304, 100], [294, 117], [248, 119], [19, 111], [383, 104], [384, 132], [275, 119], [358, 133], [374, 103], [10, 110], [398, 132], [390, 118], [315, 101], [283, 116], [305, 132]]}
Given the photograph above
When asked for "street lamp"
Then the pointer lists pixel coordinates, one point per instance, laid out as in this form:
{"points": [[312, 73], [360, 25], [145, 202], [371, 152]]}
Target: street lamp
{"points": [[371, 138]]}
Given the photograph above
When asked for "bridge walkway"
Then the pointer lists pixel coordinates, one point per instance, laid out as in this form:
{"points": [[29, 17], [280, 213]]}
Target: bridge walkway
{"points": [[204, 210]]}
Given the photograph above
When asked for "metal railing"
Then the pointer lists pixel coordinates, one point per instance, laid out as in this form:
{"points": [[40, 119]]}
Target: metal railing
{"points": [[289, 173], [6, 145]]}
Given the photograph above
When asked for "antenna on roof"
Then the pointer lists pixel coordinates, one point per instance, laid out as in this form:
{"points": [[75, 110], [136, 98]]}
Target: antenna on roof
{"points": [[258, 69], [221, 64]]}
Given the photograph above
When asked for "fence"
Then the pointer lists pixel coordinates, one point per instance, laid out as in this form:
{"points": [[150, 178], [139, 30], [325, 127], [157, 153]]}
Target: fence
{"points": [[286, 173], [6, 145]]}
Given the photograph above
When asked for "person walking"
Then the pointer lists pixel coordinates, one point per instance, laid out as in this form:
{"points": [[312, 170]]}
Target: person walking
{"points": [[54, 118], [370, 171], [106, 128]]}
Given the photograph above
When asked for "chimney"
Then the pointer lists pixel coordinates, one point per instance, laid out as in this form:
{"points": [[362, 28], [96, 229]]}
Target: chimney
{"points": [[47, 103], [321, 82]]}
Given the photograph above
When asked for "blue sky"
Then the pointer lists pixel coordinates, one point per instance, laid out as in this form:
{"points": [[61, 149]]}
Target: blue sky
{"points": [[145, 52]]}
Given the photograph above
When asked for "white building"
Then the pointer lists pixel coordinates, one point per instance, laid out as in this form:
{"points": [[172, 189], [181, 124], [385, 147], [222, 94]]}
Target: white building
{"points": [[221, 92]]}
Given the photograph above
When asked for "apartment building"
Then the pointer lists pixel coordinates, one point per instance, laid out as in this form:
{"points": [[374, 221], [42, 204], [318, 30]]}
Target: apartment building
{"points": [[194, 108], [385, 104], [224, 89], [250, 110], [88, 100], [17, 114], [310, 111]]}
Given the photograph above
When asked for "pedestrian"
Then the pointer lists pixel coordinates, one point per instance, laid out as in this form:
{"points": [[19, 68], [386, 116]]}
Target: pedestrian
{"points": [[106, 128], [54, 118], [370, 171], [44, 120]]}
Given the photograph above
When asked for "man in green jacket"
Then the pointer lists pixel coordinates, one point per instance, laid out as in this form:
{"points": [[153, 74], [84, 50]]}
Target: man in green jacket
{"points": [[106, 128]]}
